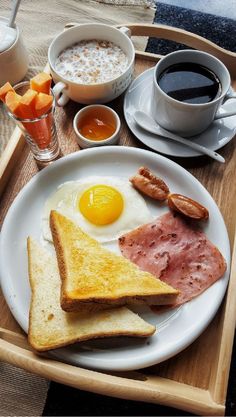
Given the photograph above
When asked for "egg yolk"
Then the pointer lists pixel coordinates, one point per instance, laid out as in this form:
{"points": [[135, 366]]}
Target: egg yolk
{"points": [[101, 204]]}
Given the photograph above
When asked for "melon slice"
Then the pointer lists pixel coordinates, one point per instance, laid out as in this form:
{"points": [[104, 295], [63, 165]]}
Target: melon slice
{"points": [[6, 88], [41, 83], [12, 101], [27, 104], [43, 103]]}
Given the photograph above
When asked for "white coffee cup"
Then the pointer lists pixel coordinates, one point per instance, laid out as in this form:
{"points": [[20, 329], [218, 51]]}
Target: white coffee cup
{"points": [[14, 60], [90, 93], [187, 119]]}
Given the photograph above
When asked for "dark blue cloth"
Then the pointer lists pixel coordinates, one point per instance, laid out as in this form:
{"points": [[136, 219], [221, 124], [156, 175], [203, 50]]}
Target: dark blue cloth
{"points": [[219, 30]]}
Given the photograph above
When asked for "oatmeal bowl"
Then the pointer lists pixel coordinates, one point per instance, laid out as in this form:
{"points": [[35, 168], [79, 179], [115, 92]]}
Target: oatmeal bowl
{"points": [[91, 63]]}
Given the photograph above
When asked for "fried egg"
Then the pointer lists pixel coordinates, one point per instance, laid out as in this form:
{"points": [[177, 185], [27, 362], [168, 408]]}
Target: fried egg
{"points": [[104, 207]]}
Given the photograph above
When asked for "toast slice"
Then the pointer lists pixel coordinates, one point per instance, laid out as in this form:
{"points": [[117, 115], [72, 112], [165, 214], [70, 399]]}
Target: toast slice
{"points": [[50, 327], [92, 274]]}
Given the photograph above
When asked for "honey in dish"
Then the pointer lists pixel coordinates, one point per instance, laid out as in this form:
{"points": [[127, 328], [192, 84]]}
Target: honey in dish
{"points": [[97, 125]]}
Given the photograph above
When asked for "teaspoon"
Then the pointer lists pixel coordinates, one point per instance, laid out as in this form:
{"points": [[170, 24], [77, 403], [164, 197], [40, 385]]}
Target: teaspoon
{"points": [[149, 124]]}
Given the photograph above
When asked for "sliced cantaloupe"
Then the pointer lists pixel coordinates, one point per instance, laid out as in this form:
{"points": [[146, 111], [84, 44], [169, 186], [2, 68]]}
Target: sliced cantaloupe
{"points": [[24, 107], [12, 101], [6, 88], [43, 103], [14, 104], [21, 106], [41, 83], [34, 105], [27, 104]]}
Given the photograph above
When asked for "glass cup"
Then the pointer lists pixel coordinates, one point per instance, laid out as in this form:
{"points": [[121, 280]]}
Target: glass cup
{"points": [[40, 133]]}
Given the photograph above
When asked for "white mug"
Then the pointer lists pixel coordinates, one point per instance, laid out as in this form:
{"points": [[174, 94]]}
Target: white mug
{"points": [[188, 119], [14, 60], [90, 93]]}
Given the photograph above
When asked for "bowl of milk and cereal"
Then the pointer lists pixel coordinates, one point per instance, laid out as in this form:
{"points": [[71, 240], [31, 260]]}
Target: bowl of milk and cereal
{"points": [[91, 63]]}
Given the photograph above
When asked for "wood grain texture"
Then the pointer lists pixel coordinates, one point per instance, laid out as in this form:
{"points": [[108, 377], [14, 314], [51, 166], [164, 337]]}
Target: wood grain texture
{"points": [[154, 390], [10, 156], [196, 379]]}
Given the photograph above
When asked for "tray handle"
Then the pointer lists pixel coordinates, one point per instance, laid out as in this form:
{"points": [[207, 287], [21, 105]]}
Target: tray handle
{"points": [[160, 391], [181, 36], [13, 338]]}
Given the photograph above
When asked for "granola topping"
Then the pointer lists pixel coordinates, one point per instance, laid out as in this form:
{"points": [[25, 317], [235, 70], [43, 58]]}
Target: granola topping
{"points": [[91, 62]]}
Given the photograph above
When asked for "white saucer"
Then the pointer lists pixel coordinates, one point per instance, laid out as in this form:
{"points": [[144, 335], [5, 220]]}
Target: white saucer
{"points": [[138, 97]]}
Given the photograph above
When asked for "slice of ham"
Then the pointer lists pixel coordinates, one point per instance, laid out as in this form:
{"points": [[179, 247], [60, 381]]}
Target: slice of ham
{"points": [[176, 251]]}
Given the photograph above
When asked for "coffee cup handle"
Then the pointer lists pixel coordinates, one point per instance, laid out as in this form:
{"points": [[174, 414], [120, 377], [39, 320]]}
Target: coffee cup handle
{"points": [[229, 95], [60, 94]]}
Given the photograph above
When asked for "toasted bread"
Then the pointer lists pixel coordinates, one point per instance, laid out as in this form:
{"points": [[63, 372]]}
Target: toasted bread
{"points": [[92, 274], [50, 327]]}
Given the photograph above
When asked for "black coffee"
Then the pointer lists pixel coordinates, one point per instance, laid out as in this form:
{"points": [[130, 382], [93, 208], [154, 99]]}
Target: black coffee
{"points": [[190, 83]]}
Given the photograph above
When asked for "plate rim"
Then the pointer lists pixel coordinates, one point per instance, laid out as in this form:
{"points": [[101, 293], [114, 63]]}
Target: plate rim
{"points": [[108, 364]]}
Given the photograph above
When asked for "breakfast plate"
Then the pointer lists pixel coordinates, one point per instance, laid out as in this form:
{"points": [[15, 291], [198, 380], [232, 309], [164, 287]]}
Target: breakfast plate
{"points": [[176, 328], [138, 97]]}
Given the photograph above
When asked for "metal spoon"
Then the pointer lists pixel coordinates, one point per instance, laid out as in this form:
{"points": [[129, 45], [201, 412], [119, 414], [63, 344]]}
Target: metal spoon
{"points": [[14, 11], [147, 123]]}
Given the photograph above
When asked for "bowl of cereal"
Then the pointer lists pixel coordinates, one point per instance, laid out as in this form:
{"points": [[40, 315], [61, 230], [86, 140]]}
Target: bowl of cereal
{"points": [[91, 63]]}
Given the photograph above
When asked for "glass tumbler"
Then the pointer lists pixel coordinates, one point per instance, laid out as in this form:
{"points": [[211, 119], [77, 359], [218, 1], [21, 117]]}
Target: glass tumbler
{"points": [[40, 133]]}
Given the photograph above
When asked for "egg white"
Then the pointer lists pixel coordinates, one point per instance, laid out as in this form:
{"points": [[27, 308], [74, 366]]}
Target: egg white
{"points": [[64, 200]]}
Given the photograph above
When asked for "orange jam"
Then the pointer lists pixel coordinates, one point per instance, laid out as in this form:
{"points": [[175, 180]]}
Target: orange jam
{"points": [[97, 124]]}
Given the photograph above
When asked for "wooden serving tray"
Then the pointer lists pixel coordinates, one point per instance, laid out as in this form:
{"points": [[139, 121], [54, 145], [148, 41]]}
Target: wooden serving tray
{"points": [[194, 380]]}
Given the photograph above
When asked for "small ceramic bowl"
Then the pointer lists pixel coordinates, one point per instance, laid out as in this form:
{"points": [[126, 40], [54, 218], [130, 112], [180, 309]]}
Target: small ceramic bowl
{"points": [[102, 92], [100, 112]]}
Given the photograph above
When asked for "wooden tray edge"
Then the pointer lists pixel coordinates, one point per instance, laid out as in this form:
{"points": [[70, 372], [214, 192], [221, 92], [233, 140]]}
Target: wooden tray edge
{"points": [[220, 374], [10, 155], [168, 393]]}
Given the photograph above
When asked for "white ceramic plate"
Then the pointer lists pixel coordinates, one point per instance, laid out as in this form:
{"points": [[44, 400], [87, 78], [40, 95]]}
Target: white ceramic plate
{"points": [[138, 97], [176, 329]]}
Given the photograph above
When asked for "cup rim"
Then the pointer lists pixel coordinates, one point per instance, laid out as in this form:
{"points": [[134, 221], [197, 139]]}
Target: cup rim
{"points": [[36, 119], [17, 36], [184, 104], [65, 80], [87, 109]]}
